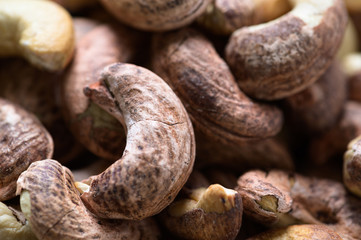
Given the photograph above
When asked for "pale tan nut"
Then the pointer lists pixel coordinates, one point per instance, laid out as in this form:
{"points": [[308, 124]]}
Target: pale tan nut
{"points": [[352, 66], [188, 62], [23, 140], [156, 15], [13, 225], [52, 205], [282, 57], [225, 16], [205, 214], [334, 141], [46, 39], [35, 91], [76, 5], [160, 149], [319, 107], [97, 130], [312, 232], [313, 201], [352, 167]]}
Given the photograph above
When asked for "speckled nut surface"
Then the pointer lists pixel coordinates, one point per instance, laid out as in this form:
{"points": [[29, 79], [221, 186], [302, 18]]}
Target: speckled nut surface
{"points": [[160, 149], [52, 205], [282, 57], [312, 200], [352, 167], [23, 141], [98, 131], [311, 232], [205, 214], [190, 65], [319, 107], [156, 15], [46, 39]]}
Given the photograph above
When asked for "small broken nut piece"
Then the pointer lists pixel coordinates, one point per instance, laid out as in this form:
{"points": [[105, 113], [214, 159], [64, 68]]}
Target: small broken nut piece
{"points": [[23, 140], [206, 214], [282, 57], [52, 205], [156, 15], [311, 232], [352, 166], [13, 225], [46, 39]]}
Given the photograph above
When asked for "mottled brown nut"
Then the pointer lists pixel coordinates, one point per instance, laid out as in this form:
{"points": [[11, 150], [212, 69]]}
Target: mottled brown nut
{"points": [[313, 201], [13, 224], [46, 39], [334, 141], [352, 167], [202, 80], [52, 205], [282, 57], [23, 140], [156, 15], [205, 214], [319, 106], [312, 232], [160, 149], [98, 131]]}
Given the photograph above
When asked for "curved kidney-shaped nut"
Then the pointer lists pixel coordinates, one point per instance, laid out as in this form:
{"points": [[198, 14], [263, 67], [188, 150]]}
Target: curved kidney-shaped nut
{"points": [[204, 83], [156, 15], [23, 140], [319, 106], [311, 232], [277, 59], [46, 39], [352, 166], [206, 214], [98, 131], [160, 149], [13, 224], [51, 203]]}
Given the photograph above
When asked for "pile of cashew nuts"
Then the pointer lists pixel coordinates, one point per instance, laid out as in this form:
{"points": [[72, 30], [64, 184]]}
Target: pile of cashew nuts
{"points": [[192, 119]]}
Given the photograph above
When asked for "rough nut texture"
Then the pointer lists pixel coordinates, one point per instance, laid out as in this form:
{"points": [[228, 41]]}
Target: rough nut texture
{"points": [[57, 211], [156, 15], [160, 150], [204, 83], [282, 57], [23, 140]]}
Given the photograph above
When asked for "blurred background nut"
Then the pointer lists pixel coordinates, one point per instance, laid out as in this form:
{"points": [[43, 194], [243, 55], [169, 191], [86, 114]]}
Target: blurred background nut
{"points": [[352, 66], [352, 167], [45, 39], [156, 15], [52, 205], [23, 140], [282, 57]]}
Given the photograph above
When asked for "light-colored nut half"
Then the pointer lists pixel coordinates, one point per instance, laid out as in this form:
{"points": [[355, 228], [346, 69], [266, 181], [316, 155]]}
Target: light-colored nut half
{"points": [[352, 166], [40, 31], [279, 58], [160, 150], [52, 205]]}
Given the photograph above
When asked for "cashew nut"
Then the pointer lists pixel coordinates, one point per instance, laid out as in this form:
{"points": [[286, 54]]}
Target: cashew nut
{"points": [[45, 39], [52, 205], [282, 57], [202, 80], [160, 150], [352, 166], [156, 15], [23, 140]]}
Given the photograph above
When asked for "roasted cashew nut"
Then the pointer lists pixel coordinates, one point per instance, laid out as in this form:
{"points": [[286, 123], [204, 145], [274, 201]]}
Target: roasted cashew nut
{"points": [[352, 167], [279, 58], [156, 15], [45, 39], [23, 140], [52, 205], [204, 83], [160, 150]]}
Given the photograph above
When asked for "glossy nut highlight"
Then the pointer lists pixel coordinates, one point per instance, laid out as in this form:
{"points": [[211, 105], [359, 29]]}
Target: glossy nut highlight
{"points": [[46, 39], [160, 150], [279, 58]]}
